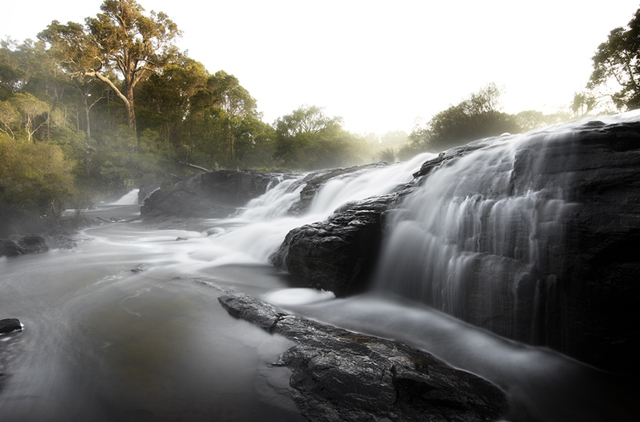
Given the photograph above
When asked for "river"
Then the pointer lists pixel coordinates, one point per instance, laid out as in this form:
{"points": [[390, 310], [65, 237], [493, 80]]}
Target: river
{"points": [[126, 326]]}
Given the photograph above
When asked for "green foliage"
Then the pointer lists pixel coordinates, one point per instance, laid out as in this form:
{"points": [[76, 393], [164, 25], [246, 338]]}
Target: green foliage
{"points": [[388, 155], [120, 40], [474, 118], [617, 62], [32, 111], [307, 139], [530, 119], [33, 178]]}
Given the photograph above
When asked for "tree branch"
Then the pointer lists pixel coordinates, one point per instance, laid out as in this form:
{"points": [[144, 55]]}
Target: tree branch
{"points": [[195, 166]]}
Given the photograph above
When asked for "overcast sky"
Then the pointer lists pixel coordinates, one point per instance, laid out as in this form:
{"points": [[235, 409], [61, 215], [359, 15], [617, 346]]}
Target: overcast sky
{"points": [[378, 64]]}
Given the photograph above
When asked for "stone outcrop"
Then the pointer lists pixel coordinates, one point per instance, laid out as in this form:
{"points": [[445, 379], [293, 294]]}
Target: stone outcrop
{"points": [[22, 245], [580, 298], [339, 254], [215, 194], [339, 375]]}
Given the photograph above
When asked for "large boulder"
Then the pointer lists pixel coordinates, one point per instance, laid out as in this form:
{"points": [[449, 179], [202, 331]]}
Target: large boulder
{"points": [[338, 375], [215, 194], [22, 245], [338, 254]]}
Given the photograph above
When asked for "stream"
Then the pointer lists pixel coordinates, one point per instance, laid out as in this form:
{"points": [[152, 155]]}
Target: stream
{"points": [[126, 326]]}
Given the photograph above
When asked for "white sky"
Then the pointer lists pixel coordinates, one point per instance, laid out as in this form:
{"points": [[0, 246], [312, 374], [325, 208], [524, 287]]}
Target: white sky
{"points": [[378, 64]]}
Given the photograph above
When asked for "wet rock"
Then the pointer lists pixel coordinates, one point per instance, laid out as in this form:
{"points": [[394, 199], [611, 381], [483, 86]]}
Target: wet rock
{"points": [[343, 376], [140, 268], [9, 325], [215, 194], [578, 298], [22, 245], [339, 254]]}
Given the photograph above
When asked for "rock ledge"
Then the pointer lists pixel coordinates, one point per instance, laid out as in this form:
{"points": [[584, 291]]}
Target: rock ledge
{"points": [[339, 375]]}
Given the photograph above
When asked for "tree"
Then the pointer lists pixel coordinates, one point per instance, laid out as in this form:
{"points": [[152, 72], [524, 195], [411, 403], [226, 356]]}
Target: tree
{"points": [[8, 117], [122, 40], [31, 108], [307, 139], [618, 60], [474, 118]]}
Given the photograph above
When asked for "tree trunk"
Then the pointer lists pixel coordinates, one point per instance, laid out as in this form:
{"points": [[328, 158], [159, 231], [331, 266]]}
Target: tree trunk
{"points": [[88, 131], [131, 114]]}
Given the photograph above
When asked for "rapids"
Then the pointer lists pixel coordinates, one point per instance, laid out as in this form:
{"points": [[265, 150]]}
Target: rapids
{"points": [[126, 325]]}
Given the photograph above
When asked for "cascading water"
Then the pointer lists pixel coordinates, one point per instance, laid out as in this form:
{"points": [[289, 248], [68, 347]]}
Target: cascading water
{"points": [[128, 199], [259, 230], [103, 342], [481, 227]]}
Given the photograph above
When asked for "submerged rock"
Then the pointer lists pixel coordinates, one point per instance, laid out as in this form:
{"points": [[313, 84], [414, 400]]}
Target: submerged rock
{"points": [[343, 376]]}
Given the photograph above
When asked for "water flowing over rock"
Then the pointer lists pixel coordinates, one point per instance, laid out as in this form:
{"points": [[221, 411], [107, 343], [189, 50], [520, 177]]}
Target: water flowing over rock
{"points": [[339, 254], [343, 376], [530, 236], [314, 181], [215, 194]]}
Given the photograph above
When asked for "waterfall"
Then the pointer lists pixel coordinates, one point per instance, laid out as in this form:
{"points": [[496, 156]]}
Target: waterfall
{"points": [[258, 230], [130, 198], [482, 237]]}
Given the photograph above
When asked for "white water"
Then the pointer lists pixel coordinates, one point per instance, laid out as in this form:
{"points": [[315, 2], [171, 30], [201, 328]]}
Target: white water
{"points": [[130, 198], [258, 231], [487, 225]]}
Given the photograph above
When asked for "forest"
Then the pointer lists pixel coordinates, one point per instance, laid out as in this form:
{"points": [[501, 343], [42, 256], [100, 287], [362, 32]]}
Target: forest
{"points": [[92, 109]]}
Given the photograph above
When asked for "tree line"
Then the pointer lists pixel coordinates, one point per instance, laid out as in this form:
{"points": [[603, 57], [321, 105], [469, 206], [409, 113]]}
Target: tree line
{"points": [[110, 103]]}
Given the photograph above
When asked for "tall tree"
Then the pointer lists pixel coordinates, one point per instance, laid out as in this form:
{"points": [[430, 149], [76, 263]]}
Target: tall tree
{"points": [[618, 60], [121, 40]]}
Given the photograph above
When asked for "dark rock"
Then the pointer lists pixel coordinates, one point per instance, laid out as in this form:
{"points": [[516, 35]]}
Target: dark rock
{"points": [[339, 254], [343, 376], [22, 245], [215, 194], [580, 297], [9, 325], [140, 268]]}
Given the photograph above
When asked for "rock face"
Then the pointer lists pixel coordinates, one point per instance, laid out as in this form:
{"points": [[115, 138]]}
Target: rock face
{"points": [[21, 245], [339, 254], [343, 376], [215, 194], [578, 295], [596, 297]]}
